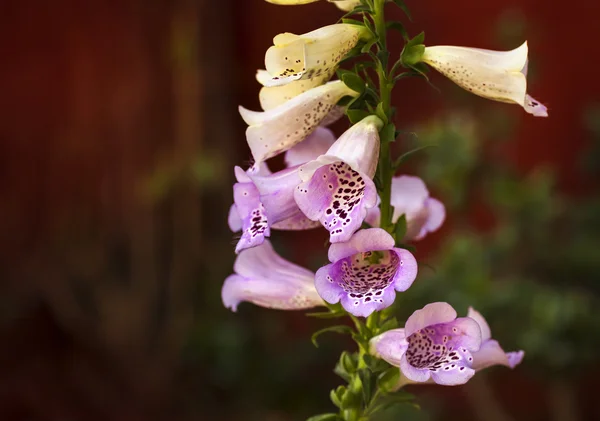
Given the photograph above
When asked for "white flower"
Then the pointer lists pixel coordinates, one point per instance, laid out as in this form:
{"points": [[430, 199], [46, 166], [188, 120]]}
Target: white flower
{"points": [[273, 96], [278, 129], [496, 75], [312, 55], [346, 5]]}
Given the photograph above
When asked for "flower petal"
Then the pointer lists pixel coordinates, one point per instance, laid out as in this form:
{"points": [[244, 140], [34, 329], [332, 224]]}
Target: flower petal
{"points": [[390, 346], [233, 220], [314, 54], [364, 308], [296, 222], [277, 130], [431, 314], [486, 332], [491, 353], [371, 239], [452, 375], [359, 145], [252, 214], [337, 196], [408, 196], [345, 5], [277, 193], [310, 148], [419, 375], [266, 279], [407, 272], [495, 75], [436, 214], [329, 290], [274, 96]]}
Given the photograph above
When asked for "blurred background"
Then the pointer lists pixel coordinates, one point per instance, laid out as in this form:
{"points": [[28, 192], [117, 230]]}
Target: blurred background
{"points": [[118, 135]]}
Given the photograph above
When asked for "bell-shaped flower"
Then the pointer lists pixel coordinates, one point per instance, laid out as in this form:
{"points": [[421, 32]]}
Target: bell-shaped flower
{"points": [[279, 129], [314, 54], [491, 353], [264, 278], [337, 187], [410, 197], [434, 345], [496, 75], [263, 200], [345, 5], [365, 272]]}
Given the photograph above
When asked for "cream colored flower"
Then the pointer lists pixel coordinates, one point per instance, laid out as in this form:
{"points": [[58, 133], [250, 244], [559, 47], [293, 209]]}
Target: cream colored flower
{"points": [[346, 5], [312, 55], [497, 75], [278, 129]]}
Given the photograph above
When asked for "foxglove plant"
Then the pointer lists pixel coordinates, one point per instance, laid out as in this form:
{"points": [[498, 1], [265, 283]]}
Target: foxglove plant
{"points": [[348, 186]]}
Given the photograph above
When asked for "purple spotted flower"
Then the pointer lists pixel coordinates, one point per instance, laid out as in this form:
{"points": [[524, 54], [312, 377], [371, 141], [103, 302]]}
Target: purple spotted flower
{"points": [[264, 278], [265, 200], [410, 197], [434, 345], [490, 352], [366, 272], [337, 187]]}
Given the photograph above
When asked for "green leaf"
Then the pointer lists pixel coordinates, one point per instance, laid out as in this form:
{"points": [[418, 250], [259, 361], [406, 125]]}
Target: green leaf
{"points": [[325, 417], [337, 329], [380, 113], [388, 324], [368, 383], [419, 39], [350, 399], [397, 26], [402, 158], [356, 115], [353, 81], [348, 362], [352, 21], [335, 398], [401, 5], [388, 133], [367, 47], [400, 228], [388, 379], [375, 364], [383, 57]]}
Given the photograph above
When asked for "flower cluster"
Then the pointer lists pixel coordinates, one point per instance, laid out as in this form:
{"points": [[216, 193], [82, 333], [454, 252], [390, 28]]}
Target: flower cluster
{"points": [[347, 186]]}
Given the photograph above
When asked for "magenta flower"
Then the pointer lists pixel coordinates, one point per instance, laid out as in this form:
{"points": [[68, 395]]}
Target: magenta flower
{"points": [[365, 272], [265, 200], [410, 197], [337, 187], [264, 278], [490, 352], [434, 345]]}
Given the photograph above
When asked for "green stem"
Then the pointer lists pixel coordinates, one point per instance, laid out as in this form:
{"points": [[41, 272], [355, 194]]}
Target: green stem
{"points": [[385, 94]]}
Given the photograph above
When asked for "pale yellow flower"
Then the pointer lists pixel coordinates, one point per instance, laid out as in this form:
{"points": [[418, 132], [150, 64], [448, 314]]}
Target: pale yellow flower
{"points": [[312, 55], [346, 5], [497, 75]]}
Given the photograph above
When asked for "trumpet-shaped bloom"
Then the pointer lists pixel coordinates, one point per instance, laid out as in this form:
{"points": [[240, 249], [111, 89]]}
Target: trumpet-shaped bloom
{"points": [[264, 278], [337, 187], [490, 352], [410, 197], [263, 200], [496, 75], [279, 129], [434, 345], [365, 272], [345, 5], [312, 55]]}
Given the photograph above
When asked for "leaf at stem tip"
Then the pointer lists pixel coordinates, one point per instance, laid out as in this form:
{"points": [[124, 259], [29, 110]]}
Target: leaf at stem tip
{"points": [[400, 228], [380, 113], [368, 382], [402, 5], [388, 379], [352, 21], [353, 81], [356, 115], [337, 329]]}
